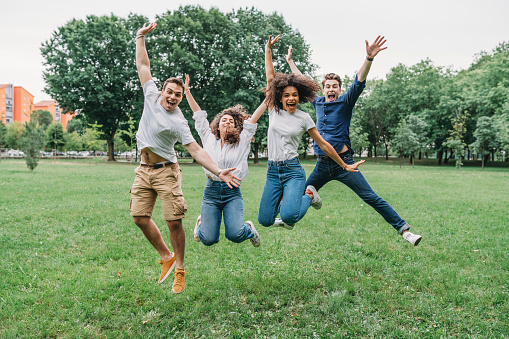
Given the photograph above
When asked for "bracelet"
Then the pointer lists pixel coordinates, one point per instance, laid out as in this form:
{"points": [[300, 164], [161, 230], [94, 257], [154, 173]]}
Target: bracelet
{"points": [[187, 91], [139, 36], [369, 59], [217, 175]]}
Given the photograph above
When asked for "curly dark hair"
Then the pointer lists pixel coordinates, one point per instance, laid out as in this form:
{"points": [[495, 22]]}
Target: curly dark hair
{"points": [[331, 76], [238, 113], [306, 87]]}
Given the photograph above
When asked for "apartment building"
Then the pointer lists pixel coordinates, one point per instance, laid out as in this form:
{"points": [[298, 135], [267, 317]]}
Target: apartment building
{"points": [[17, 104]]}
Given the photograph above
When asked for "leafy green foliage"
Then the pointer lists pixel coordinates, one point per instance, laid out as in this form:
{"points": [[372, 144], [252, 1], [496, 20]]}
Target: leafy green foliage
{"points": [[55, 136], [455, 141], [42, 118], [3, 132], [485, 137], [13, 134], [32, 142], [90, 68]]}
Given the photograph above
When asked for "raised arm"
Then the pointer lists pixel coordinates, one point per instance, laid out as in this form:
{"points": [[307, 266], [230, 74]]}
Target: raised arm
{"points": [[142, 62], [289, 59], [371, 52], [190, 99], [329, 150], [258, 112], [269, 66]]}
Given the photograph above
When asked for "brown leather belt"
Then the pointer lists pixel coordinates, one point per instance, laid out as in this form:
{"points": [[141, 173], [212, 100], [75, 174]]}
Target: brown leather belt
{"points": [[156, 166]]}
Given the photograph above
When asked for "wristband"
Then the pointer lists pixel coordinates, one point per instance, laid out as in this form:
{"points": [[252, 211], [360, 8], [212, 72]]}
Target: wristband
{"points": [[187, 91], [139, 36], [217, 175], [369, 59]]}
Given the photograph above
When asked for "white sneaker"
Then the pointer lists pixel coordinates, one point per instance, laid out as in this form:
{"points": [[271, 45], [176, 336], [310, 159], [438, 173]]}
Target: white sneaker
{"points": [[316, 201], [279, 223], [198, 221], [414, 239], [255, 240]]}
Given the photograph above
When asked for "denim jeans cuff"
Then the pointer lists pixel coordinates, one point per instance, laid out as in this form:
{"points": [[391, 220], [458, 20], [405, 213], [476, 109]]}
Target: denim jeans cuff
{"points": [[403, 228]]}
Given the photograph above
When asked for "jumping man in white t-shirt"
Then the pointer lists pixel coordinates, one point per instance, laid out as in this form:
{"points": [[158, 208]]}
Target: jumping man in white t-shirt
{"points": [[162, 124]]}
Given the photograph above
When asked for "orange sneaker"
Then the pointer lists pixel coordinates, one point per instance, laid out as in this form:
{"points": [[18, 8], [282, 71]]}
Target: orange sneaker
{"points": [[167, 268], [179, 284]]}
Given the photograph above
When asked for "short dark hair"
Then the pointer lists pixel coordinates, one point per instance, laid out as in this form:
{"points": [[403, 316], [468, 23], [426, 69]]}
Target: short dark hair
{"points": [[306, 87], [238, 113], [174, 81], [331, 76]]}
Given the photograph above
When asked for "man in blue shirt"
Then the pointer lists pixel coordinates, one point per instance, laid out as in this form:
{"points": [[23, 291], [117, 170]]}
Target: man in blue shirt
{"points": [[333, 116]]}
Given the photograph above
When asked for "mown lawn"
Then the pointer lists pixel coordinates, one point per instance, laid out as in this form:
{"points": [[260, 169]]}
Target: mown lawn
{"points": [[73, 264]]}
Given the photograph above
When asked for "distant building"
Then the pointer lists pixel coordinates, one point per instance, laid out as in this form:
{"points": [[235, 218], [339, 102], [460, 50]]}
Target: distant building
{"points": [[17, 104], [55, 110]]}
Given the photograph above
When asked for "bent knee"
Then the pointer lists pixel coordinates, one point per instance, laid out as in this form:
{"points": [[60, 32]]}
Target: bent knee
{"points": [[141, 222], [209, 242]]}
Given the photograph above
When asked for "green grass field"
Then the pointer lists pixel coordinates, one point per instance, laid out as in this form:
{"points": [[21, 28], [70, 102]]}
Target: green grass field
{"points": [[74, 265]]}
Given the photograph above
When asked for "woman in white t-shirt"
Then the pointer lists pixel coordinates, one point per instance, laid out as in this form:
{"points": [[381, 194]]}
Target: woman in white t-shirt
{"points": [[285, 192], [227, 140]]}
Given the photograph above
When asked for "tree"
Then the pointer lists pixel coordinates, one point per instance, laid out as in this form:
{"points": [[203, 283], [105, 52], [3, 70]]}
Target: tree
{"points": [[32, 142], [224, 55], [502, 125], [73, 141], [90, 67], [485, 137], [76, 125], [13, 133], [405, 141], [3, 132], [55, 136], [92, 138], [130, 133], [455, 141], [42, 118]]}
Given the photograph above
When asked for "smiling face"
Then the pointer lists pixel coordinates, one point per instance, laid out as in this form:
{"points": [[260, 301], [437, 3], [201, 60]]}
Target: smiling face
{"points": [[290, 99], [171, 96], [226, 124], [331, 90]]}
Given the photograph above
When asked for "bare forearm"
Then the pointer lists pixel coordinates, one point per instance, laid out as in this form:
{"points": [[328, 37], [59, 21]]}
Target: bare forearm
{"points": [[192, 103], [269, 66], [294, 68], [331, 152], [363, 72], [202, 157], [141, 53]]}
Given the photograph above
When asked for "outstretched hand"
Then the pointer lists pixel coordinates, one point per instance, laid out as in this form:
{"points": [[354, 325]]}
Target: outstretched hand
{"points": [[373, 49], [271, 42], [227, 176], [145, 29], [289, 56], [186, 83], [353, 168]]}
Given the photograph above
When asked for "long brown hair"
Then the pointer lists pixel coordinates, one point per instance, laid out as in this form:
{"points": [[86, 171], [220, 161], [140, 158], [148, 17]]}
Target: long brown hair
{"points": [[238, 113]]}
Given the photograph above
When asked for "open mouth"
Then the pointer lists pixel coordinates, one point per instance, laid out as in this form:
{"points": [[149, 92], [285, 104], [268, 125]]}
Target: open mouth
{"points": [[291, 105], [331, 97]]}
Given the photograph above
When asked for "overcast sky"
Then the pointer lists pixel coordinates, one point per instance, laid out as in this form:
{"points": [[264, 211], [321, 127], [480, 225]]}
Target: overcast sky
{"points": [[448, 32]]}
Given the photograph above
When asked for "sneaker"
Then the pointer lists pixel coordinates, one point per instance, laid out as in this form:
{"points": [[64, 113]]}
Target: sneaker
{"points": [[198, 221], [414, 239], [316, 201], [166, 269], [255, 240], [279, 223], [179, 284]]}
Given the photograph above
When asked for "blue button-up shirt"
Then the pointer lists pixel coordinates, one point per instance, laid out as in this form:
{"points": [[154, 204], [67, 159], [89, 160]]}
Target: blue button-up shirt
{"points": [[333, 118]]}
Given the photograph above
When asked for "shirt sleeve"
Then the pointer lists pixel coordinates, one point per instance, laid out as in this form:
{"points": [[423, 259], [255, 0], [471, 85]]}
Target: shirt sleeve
{"points": [[248, 131], [308, 121], [184, 135], [202, 125], [150, 90], [354, 92]]}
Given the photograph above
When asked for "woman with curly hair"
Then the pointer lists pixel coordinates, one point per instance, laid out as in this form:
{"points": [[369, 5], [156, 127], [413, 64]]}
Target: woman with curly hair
{"points": [[228, 142], [285, 192]]}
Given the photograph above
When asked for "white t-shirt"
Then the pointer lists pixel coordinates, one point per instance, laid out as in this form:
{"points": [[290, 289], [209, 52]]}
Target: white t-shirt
{"points": [[159, 129], [230, 155], [285, 131]]}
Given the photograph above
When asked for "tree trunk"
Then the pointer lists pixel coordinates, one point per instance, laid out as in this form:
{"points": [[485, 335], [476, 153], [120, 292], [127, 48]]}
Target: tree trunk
{"points": [[440, 153], [420, 155], [255, 153], [446, 157], [375, 153], [386, 152], [483, 156], [111, 153]]}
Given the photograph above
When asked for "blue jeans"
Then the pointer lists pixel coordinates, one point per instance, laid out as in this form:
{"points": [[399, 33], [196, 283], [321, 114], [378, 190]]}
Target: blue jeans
{"points": [[220, 200], [327, 169], [286, 180]]}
